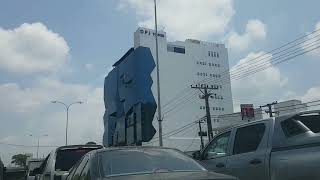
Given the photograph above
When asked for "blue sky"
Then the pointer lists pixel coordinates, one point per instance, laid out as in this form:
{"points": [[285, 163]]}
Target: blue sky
{"points": [[75, 43]]}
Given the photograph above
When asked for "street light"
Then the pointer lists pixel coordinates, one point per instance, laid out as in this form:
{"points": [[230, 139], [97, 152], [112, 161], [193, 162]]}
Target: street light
{"points": [[67, 109], [38, 137]]}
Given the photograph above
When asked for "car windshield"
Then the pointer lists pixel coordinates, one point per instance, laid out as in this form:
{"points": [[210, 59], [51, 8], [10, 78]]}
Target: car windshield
{"points": [[137, 161], [66, 158]]}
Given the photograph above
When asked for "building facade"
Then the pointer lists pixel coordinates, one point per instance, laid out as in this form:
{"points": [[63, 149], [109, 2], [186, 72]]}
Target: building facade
{"points": [[182, 64]]}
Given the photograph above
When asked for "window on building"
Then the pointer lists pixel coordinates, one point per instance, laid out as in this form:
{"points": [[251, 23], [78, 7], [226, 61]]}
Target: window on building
{"points": [[217, 55], [248, 138], [180, 50], [222, 109], [214, 54]]}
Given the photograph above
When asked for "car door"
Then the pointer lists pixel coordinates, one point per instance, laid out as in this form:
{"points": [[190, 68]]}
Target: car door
{"points": [[248, 158], [214, 157]]}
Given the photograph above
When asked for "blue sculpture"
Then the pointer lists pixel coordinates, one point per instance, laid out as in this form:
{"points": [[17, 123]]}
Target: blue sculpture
{"points": [[129, 102]]}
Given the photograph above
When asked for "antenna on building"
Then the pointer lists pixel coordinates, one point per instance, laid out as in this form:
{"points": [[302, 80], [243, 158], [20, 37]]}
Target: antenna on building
{"points": [[158, 77]]}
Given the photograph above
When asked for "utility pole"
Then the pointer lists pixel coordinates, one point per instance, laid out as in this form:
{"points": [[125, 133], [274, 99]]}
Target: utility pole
{"points": [[201, 134], [270, 112], [158, 76], [206, 95]]}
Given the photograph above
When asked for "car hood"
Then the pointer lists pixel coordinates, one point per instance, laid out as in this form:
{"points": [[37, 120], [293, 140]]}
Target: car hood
{"points": [[205, 175]]}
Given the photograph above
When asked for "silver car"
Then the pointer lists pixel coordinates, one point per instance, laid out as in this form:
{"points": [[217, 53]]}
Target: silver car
{"points": [[140, 163]]}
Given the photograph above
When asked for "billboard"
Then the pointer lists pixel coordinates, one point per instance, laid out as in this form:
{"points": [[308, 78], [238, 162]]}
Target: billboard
{"points": [[247, 112]]}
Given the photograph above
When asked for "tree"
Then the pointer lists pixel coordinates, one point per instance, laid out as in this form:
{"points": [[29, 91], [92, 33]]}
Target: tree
{"points": [[20, 159]]}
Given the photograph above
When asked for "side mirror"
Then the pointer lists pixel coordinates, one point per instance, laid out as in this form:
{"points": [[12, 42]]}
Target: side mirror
{"points": [[196, 155], [64, 176]]}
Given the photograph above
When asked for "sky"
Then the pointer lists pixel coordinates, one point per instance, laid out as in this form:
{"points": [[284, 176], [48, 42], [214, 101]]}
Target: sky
{"points": [[62, 50]]}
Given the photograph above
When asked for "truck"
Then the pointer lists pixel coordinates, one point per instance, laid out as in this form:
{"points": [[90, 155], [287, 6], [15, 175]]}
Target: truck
{"points": [[278, 148]]}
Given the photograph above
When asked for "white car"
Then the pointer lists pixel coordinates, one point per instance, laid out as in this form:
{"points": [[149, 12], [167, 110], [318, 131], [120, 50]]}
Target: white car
{"points": [[61, 160]]}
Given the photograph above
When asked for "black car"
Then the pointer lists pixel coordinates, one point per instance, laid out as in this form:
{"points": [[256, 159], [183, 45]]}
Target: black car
{"points": [[140, 163]]}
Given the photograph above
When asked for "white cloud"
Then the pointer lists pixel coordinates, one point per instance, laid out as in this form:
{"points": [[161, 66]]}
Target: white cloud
{"points": [[255, 30], [260, 86], [31, 107], [32, 48], [184, 18], [311, 95], [312, 41]]}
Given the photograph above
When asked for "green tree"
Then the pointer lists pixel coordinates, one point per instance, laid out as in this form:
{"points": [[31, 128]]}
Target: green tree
{"points": [[20, 159]]}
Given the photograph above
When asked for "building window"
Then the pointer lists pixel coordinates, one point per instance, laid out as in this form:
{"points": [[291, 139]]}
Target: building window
{"points": [[222, 109], [171, 48], [217, 55], [180, 50]]}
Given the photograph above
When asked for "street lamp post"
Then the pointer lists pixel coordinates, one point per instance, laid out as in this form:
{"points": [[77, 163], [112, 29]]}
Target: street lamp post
{"points": [[38, 145], [67, 110]]}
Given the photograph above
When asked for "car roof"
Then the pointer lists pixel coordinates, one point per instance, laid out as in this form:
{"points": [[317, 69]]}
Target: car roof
{"points": [[79, 146], [134, 147]]}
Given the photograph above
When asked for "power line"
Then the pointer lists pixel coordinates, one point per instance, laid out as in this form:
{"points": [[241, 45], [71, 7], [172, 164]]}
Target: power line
{"points": [[191, 143]]}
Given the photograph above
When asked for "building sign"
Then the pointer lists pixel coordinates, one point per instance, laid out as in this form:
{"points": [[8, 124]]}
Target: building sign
{"points": [[247, 111], [149, 32]]}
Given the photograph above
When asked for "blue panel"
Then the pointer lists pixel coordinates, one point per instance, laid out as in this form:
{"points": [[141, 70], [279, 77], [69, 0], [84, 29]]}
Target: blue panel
{"points": [[130, 104]]}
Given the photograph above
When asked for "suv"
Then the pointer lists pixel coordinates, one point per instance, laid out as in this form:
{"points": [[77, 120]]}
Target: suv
{"points": [[60, 161]]}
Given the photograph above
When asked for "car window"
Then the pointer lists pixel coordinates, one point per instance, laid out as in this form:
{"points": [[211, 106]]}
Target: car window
{"points": [[66, 158], [218, 147], [248, 138], [312, 122], [79, 168], [136, 161], [292, 127]]}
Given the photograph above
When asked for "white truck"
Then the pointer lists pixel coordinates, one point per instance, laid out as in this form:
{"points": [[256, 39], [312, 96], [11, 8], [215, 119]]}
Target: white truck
{"points": [[280, 148]]}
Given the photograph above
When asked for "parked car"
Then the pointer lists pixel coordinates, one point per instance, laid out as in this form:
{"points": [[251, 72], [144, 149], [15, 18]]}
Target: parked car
{"points": [[60, 161], [2, 169], [140, 163], [32, 164], [281, 148]]}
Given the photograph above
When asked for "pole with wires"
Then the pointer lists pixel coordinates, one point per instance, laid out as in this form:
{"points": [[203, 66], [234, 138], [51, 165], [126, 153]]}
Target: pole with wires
{"points": [[158, 75]]}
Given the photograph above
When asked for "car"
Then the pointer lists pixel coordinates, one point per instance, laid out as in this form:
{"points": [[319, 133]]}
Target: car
{"points": [[2, 169], [140, 163], [61, 160], [32, 164], [279, 148]]}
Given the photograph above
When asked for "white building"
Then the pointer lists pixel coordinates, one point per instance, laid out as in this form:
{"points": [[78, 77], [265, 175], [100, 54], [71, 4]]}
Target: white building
{"points": [[291, 106], [185, 63]]}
